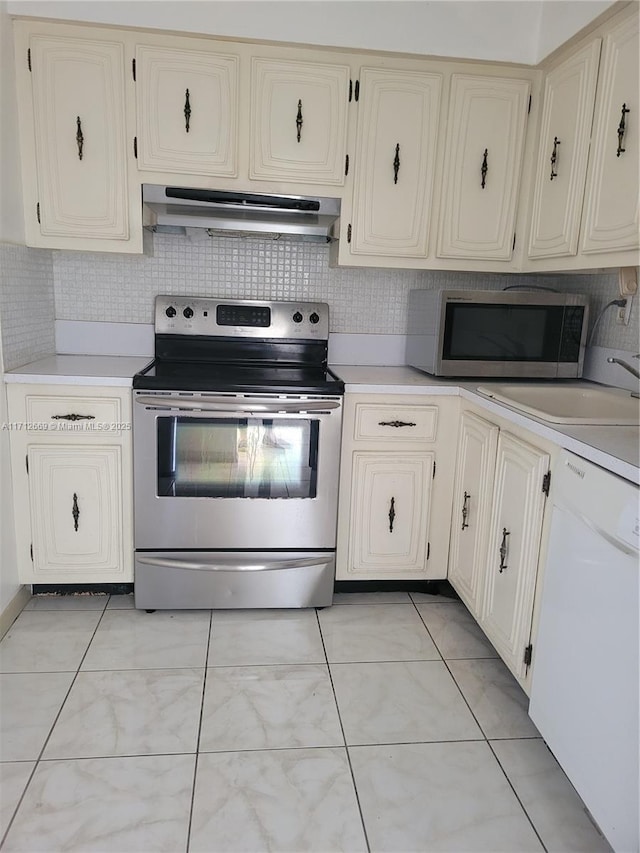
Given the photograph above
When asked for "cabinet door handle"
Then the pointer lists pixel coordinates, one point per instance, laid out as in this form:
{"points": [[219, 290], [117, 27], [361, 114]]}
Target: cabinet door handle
{"points": [[396, 164], [73, 417], [392, 514], [484, 168], [554, 158], [622, 127], [465, 510], [503, 550], [75, 512], [187, 111], [299, 121], [79, 137], [396, 424]]}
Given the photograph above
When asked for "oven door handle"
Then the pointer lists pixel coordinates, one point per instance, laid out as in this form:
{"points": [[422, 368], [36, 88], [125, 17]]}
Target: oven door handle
{"points": [[224, 405], [229, 565]]}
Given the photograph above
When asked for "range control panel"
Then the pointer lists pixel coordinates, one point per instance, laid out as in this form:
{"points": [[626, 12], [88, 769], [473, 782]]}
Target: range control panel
{"points": [[243, 318]]}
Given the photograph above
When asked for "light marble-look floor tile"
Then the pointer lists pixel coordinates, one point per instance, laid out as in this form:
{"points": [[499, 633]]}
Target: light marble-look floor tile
{"points": [[284, 800], [14, 776], [254, 637], [495, 697], [47, 641], [106, 804], [67, 602], [29, 704], [371, 598], [438, 797], [267, 707], [401, 702], [133, 639], [121, 602], [432, 598], [375, 632], [130, 712], [455, 631], [556, 811]]}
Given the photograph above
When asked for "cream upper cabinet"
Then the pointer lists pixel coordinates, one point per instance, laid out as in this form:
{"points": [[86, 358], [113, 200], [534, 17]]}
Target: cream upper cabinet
{"points": [[483, 160], [567, 112], [513, 549], [187, 110], [395, 162], [298, 121], [71, 89], [611, 220]]}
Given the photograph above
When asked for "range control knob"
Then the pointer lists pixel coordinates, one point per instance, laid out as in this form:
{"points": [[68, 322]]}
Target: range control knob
{"points": [[314, 318], [297, 317], [171, 311], [188, 312]]}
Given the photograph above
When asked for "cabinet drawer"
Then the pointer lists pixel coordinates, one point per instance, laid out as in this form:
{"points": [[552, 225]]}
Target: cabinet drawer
{"points": [[405, 424], [69, 413]]}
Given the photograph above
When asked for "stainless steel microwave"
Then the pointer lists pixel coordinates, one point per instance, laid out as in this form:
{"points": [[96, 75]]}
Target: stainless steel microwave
{"points": [[520, 333]]}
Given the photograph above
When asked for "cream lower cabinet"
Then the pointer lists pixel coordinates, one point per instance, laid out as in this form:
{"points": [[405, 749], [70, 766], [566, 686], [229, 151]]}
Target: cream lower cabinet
{"points": [[395, 490], [72, 479], [498, 507]]}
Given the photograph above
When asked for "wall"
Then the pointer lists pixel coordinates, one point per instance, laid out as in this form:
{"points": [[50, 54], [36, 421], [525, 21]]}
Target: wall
{"points": [[492, 29], [11, 216]]}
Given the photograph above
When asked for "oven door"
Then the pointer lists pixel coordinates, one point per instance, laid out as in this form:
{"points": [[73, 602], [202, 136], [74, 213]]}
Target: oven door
{"points": [[235, 471]]}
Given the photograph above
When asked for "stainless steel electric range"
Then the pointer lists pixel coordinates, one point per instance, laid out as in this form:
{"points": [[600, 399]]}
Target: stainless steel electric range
{"points": [[236, 434]]}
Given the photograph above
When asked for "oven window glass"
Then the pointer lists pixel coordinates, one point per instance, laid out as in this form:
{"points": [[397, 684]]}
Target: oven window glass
{"points": [[475, 332], [237, 457]]}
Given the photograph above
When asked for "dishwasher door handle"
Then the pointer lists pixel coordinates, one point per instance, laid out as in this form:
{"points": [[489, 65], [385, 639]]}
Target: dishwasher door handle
{"points": [[231, 565], [223, 405]]}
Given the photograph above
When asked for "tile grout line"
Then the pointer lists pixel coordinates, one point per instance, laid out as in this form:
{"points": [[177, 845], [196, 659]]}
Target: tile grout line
{"points": [[346, 747], [197, 753], [53, 725]]}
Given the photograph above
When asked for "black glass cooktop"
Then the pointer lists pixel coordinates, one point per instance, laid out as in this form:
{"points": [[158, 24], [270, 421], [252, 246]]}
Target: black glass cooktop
{"points": [[172, 375]]}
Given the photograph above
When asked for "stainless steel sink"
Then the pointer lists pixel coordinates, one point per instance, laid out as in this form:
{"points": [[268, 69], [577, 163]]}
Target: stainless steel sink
{"points": [[569, 404]]}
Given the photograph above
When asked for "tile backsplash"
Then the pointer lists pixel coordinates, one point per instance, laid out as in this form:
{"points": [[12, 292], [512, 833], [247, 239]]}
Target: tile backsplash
{"points": [[121, 288]]}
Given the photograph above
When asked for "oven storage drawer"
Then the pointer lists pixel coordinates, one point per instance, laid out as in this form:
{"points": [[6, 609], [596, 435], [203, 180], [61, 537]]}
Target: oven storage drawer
{"points": [[233, 579], [395, 423]]}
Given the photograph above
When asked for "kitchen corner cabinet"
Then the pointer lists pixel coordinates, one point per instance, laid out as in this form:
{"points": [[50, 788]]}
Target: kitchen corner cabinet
{"points": [[395, 162], [72, 478], [395, 488], [71, 91], [298, 121], [483, 161], [187, 110]]}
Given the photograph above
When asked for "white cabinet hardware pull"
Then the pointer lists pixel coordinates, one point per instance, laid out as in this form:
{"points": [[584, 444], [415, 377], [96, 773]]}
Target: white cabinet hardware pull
{"points": [[554, 157], [75, 512], [299, 121], [484, 168], [621, 130], [396, 424], [79, 137], [187, 111], [73, 417], [392, 514], [465, 510], [396, 164], [503, 550]]}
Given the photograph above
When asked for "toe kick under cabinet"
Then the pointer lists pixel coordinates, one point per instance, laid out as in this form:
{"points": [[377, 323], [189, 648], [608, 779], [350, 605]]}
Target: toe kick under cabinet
{"points": [[398, 462], [72, 480]]}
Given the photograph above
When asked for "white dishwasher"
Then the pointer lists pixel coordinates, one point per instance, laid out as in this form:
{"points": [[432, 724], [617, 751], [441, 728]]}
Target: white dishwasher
{"points": [[584, 693]]}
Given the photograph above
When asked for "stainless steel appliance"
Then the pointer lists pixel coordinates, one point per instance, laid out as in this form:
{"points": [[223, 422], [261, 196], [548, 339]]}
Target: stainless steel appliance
{"points": [[236, 432], [523, 333]]}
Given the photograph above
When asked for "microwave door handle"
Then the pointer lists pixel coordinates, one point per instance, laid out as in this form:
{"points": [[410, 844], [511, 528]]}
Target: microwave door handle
{"points": [[230, 565], [224, 405]]}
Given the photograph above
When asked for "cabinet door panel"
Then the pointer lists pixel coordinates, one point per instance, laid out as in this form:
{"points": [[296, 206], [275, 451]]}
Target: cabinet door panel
{"points": [[389, 512], [570, 91], [516, 526], [76, 506], [187, 111], [79, 123], [472, 507], [612, 205], [398, 124], [299, 121], [486, 114]]}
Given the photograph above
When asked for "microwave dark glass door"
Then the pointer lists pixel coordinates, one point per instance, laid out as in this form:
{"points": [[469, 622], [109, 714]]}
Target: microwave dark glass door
{"points": [[252, 457], [536, 333]]}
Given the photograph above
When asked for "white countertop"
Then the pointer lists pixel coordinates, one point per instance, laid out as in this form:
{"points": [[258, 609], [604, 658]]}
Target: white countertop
{"points": [[109, 370], [616, 448]]}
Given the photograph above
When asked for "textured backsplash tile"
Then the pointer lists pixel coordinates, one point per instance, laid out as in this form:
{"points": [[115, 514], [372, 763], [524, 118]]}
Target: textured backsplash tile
{"points": [[26, 304]]}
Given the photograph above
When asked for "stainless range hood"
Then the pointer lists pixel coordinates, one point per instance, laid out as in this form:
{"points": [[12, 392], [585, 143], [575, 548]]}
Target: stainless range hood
{"points": [[172, 208]]}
